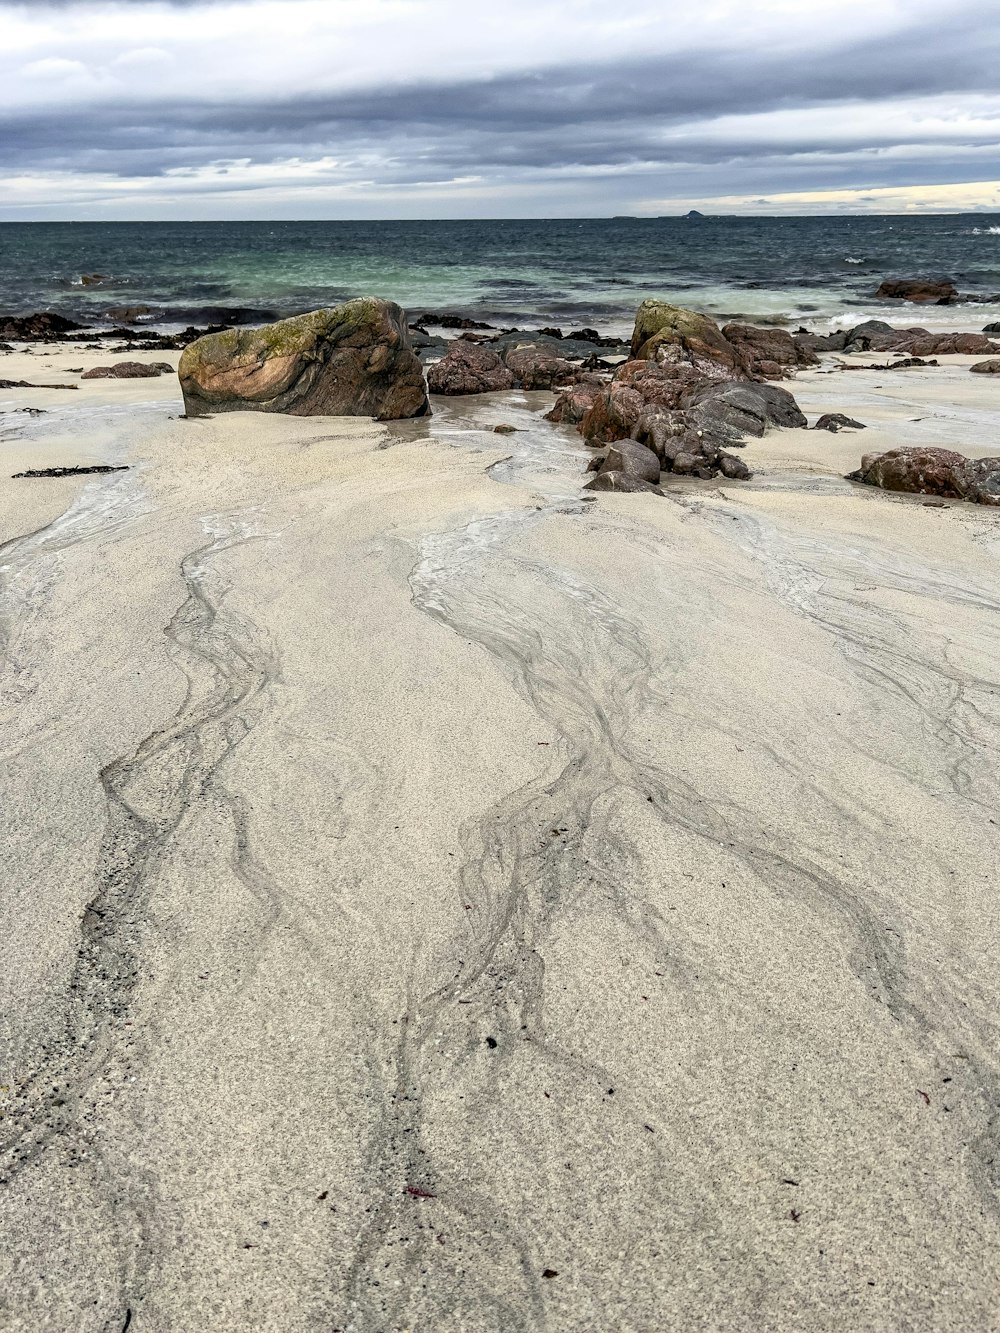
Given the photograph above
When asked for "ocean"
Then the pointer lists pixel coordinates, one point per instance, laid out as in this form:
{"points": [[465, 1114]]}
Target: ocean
{"points": [[820, 271]]}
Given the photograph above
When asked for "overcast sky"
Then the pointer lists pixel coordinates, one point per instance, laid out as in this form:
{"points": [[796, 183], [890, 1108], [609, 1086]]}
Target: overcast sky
{"points": [[138, 109]]}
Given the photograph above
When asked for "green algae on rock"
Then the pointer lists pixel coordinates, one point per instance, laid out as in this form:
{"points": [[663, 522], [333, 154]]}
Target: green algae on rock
{"points": [[349, 360], [671, 333]]}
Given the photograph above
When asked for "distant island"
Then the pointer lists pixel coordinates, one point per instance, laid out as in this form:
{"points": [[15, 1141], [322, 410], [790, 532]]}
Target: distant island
{"points": [[694, 214]]}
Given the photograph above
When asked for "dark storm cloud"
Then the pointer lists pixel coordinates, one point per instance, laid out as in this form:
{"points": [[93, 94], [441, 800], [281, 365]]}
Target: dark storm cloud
{"points": [[648, 113], [592, 113]]}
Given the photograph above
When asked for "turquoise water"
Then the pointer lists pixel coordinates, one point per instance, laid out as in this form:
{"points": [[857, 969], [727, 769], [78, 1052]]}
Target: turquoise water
{"points": [[565, 271]]}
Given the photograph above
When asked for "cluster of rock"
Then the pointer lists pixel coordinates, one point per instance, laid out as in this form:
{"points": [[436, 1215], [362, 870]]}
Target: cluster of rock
{"points": [[876, 336], [929, 291], [686, 394], [940, 472], [41, 327], [80, 471], [474, 367], [669, 334], [689, 393], [47, 327], [579, 345], [350, 360]]}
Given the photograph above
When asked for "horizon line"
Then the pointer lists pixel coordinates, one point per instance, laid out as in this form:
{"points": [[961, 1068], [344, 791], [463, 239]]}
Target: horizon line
{"points": [[582, 217]]}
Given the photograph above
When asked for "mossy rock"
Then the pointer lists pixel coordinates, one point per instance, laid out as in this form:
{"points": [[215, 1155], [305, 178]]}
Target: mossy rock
{"points": [[669, 332], [349, 360]]}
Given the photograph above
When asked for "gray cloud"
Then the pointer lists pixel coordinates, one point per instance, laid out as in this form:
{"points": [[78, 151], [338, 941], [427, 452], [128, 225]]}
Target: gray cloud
{"points": [[652, 123]]}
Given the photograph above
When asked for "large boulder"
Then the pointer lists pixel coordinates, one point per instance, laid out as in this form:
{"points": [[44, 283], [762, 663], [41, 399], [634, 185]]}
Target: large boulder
{"points": [[469, 367], [874, 335], [991, 367], [349, 360], [668, 333], [634, 458], [925, 471], [769, 353], [732, 411], [919, 290], [535, 367]]}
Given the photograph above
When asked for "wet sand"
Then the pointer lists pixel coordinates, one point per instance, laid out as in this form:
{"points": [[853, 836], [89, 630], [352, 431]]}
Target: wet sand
{"points": [[434, 902]]}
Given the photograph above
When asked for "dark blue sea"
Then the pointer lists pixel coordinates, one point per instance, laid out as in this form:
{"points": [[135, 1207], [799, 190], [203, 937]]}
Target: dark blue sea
{"points": [[816, 270]]}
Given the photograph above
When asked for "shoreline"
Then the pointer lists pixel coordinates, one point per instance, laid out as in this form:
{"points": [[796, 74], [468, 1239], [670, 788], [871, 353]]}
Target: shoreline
{"points": [[565, 271]]}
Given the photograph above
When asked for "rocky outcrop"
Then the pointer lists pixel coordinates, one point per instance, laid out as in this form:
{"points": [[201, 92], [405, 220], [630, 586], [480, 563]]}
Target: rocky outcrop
{"points": [[350, 360], [687, 420], [669, 334], [35, 328], [919, 290], [921, 343], [992, 328], [924, 471], [469, 368], [129, 370], [768, 353], [874, 335], [991, 367]]}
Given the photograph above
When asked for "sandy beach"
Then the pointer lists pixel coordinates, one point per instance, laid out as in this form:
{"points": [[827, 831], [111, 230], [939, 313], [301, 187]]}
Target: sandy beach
{"points": [[434, 901]]}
